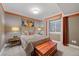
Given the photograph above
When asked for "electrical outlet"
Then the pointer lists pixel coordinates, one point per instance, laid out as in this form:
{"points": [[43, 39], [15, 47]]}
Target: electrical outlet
{"points": [[73, 41]]}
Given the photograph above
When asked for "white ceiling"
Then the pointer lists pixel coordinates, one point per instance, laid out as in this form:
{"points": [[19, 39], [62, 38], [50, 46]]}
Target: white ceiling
{"points": [[69, 8], [47, 9]]}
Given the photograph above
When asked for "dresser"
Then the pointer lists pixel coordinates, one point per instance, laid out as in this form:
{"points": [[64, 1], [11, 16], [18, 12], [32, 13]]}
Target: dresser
{"points": [[48, 48]]}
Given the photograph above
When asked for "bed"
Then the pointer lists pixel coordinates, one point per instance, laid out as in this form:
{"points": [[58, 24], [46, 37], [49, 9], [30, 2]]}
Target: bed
{"points": [[25, 48], [28, 40]]}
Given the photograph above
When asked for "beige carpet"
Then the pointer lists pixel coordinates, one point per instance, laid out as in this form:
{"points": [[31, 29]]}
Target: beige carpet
{"points": [[62, 51], [66, 50]]}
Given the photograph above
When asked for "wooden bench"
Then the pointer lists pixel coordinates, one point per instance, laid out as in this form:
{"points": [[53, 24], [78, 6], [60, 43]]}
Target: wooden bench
{"points": [[47, 48]]}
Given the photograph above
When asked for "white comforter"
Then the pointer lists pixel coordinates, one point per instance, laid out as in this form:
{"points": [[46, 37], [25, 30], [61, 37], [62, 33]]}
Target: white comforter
{"points": [[25, 39]]}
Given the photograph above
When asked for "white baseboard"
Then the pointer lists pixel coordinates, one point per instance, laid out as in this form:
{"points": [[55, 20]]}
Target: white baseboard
{"points": [[74, 46]]}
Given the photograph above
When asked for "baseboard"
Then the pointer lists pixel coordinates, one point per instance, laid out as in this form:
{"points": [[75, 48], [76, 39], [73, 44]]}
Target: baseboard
{"points": [[74, 46]]}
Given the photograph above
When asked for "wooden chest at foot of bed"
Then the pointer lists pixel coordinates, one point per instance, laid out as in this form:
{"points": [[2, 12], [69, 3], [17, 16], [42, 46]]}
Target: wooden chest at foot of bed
{"points": [[48, 48]]}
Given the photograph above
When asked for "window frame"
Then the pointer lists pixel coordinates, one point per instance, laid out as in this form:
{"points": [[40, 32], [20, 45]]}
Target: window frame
{"points": [[56, 32]]}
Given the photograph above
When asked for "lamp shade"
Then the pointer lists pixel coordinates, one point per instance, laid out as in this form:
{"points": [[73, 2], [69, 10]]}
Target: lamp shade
{"points": [[15, 29], [39, 28]]}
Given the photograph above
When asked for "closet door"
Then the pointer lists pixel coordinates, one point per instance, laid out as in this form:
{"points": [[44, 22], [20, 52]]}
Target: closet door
{"points": [[65, 31]]}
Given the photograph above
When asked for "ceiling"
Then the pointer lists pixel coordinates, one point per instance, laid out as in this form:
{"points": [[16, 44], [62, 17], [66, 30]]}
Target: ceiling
{"points": [[46, 9]]}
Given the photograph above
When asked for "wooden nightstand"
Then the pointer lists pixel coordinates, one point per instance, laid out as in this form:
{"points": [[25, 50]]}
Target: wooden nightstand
{"points": [[14, 41], [48, 48]]}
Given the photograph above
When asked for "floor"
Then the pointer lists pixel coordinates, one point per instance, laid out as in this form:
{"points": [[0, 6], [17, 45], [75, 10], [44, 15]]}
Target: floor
{"points": [[62, 51], [12, 51], [66, 50]]}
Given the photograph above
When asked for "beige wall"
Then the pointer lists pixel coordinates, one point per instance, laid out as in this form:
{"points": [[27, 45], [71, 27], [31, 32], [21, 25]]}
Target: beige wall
{"points": [[12, 21], [55, 36], [2, 40], [74, 30]]}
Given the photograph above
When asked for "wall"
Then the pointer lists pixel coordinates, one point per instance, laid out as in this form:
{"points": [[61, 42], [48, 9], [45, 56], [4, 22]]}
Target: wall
{"points": [[74, 30], [2, 39], [12, 21], [55, 36]]}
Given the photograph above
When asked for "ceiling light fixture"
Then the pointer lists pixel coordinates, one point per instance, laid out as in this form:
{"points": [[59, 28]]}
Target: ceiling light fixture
{"points": [[35, 10]]}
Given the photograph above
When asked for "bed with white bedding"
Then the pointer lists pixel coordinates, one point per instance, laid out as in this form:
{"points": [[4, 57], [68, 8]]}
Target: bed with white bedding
{"points": [[25, 48], [25, 39]]}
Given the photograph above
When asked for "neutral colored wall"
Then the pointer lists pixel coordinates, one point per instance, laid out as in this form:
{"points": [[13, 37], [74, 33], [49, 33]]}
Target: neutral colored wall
{"points": [[55, 36], [12, 21], [74, 30], [2, 39]]}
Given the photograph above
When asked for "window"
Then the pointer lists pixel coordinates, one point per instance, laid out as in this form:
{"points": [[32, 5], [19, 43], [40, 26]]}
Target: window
{"points": [[55, 25]]}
